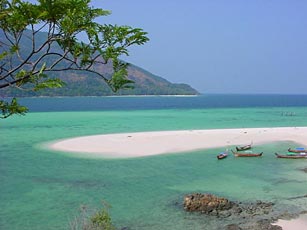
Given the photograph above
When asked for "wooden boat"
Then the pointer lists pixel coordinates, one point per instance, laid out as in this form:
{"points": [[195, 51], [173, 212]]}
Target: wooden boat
{"points": [[222, 155], [245, 154], [245, 147], [294, 156], [297, 150]]}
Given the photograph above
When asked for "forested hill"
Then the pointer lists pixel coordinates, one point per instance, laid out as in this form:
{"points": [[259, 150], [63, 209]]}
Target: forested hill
{"points": [[84, 84], [87, 84]]}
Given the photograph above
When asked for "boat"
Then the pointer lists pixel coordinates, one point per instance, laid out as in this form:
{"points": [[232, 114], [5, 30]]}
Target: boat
{"points": [[222, 155], [245, 147], [297, 150], [246, 154], [292, 156]]}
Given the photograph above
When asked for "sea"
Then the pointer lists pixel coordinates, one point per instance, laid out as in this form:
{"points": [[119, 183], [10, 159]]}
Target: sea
{"points": [[45, 189]]}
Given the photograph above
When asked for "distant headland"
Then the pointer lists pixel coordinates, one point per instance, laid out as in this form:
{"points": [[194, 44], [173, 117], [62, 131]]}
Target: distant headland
{"points": [[85, 84]]}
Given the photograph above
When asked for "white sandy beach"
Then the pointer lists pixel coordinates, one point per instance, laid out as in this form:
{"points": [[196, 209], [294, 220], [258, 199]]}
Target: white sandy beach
{"points": [[153, 143]]}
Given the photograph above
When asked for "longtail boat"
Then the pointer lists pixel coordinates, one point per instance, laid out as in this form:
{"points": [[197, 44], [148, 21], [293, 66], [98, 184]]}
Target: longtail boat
{"points": [[244, 154], [297, 150], [296, 156], [222, 155], [245, 147]]}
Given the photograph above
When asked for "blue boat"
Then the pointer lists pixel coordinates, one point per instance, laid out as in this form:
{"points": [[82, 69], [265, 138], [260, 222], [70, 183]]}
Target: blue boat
{"points": [[297, 150], [222, 155]]}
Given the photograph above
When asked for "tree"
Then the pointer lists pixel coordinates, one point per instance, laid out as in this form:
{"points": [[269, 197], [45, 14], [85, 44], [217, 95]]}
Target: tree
{"points": [[60, 47]]}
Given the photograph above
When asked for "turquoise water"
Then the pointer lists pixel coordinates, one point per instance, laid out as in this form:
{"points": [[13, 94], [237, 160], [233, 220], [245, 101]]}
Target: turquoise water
{"points": [[42, 189]]}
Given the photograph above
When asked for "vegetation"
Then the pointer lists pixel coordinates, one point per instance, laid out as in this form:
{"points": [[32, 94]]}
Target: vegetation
{"points": [[89, 220], [27, 56]]}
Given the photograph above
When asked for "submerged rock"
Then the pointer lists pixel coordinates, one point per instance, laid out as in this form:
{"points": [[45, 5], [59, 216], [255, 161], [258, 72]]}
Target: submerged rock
{"points": [[264, 224], [233, 227]]}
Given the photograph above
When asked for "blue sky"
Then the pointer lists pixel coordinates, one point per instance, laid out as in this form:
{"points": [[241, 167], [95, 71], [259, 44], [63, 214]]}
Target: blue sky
{"points": [[220, 46]]}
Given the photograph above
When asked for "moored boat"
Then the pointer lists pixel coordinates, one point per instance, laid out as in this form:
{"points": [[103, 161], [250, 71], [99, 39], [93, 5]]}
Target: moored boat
{"points": [[245, 154], [293, 156], [245, 147], [297, 150], [222, 155]]}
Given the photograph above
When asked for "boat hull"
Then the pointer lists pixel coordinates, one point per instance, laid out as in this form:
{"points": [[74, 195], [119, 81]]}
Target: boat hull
{"points": [[237, 154], [291, 156], [297, 150], [243, 148], [222, 155]]}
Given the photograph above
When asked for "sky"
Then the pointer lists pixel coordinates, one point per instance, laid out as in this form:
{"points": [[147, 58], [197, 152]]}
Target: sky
{"points": [[220, 46]]}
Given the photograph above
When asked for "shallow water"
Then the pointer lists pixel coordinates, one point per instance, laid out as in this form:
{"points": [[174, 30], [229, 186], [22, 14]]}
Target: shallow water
{"points": [[43, 189]]}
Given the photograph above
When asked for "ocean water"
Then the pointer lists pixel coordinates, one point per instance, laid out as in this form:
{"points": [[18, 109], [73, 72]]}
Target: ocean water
{"points": [[43, 189]]}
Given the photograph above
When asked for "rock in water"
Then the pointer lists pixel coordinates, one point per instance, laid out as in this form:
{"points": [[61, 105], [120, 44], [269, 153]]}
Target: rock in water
{"points": [[206, 203]]}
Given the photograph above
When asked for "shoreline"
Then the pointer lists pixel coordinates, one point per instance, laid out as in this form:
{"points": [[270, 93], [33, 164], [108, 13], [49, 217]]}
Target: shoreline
{"points": [[139, 144], [298, 223], [117, 96]]}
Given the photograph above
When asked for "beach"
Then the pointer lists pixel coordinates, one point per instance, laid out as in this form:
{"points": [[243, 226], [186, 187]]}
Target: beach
{"points": [[299, 223], [140, 144]]}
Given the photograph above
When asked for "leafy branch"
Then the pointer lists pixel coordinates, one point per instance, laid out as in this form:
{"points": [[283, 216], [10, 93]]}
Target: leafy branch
{"points": [[36, 39]]}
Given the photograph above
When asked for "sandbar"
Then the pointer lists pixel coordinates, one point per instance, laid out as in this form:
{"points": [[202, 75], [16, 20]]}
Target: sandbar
{"points": [[140, 144]]}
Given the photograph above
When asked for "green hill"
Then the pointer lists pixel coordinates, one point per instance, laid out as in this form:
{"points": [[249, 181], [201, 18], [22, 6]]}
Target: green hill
{"points": [[87, 84]]}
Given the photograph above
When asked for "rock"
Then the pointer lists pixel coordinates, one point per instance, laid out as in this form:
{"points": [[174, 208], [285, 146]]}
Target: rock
{"points": [[206, 203], [226, 213], [233, 227], [262, 225], [247, 215], [259, 208], [237, 210], [244, 215], [221, 207], [287, 216], [298, 197]]}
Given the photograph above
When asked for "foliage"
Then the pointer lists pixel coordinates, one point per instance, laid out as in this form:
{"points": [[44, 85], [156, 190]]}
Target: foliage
{"points": [[64, 23], [102, 220], [7, 109], [87, 220]]}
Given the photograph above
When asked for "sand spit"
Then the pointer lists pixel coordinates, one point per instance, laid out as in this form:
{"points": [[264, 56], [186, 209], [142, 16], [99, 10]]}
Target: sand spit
{"points": [[124, 145]]}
